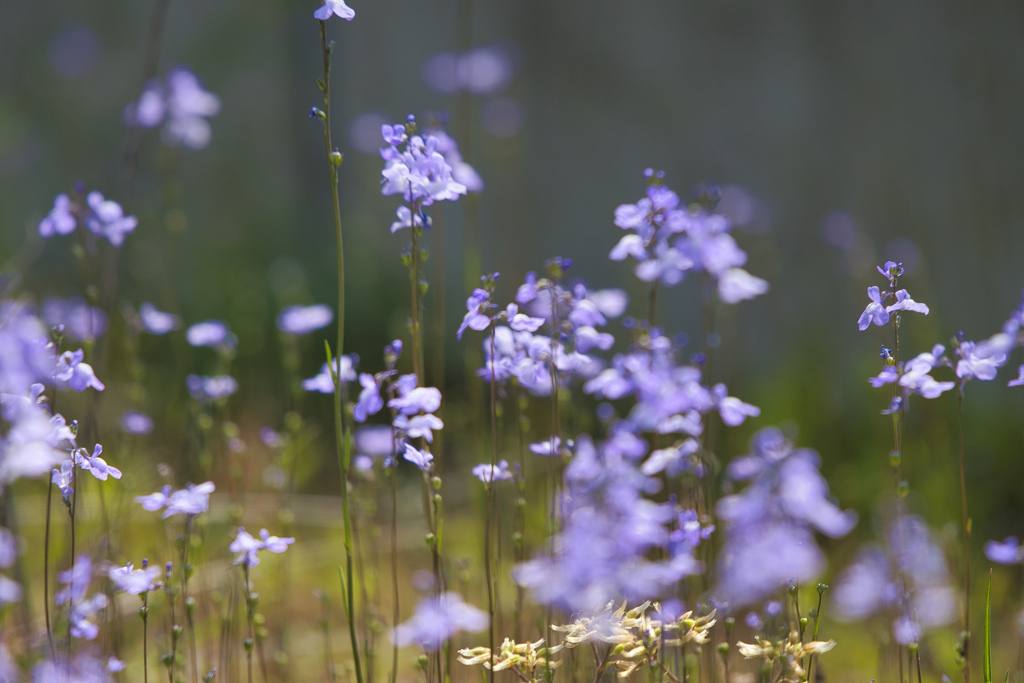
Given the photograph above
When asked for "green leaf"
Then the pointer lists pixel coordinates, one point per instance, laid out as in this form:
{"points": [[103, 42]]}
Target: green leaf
{"points": [[987, 663]]}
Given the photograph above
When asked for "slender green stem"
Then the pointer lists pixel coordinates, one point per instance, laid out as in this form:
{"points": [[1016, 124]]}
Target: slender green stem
{"points": [[250, 609], [186, 601], [490, 511], [967, 540], [414, 284], [46, 571], [145, 637], [341, 434]]}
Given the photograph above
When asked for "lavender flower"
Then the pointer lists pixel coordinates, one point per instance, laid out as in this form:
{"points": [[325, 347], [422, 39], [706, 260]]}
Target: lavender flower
{"points": [[76, 581], [35, 442], [181, 105], [1020, 378], [72, 372], [437, 619], [874, 582], [422, 459], [304, 319], [107, 219], [8, 548], [415, 169], [134, 422], [480, 71], [80, 320], [418, 426], [28, 356], [1007, 552], [489, 474], [96, 465], [157, 322], [344, 368], [207, 389], [370, 401], [874, 312], [413, 399], [60, 220], [769, 525], [136, 581], [332, 8], [248, 547], [211, 333], [191, 500]]}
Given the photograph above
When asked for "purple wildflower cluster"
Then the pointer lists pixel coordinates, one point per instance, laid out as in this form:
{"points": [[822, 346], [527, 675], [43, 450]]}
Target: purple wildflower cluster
{"points": [[908, 579], [99, 216], [669, 240], [770, 525], [178, 104]]}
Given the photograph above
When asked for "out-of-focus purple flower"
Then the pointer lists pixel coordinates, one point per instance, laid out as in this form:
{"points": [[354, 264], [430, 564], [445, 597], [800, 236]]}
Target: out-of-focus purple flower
{"points": [[191, 500], [180, 104], [736, 284], [247, 547], [74, 373], [62, 479], [60, 220], [211, 333], [406, 219], [114, 665], [1007, 552], [134, 422], [973, 365], [83, 668], [462, 172], [76, 581], [28, 357], [96, 465], [135, 581], [418, 426], [304, 319], [550, 446], [332, 8], [733, 411], [34, 443], [324, 382], [875, 311], [10, 592], [1020, 378], [476, 317], [422, 459], [370, 401], [769, 525], [8, 548], [412, 399], [107, 219], [489, 474], [481, 71], [875, 581], [79, 615], [438, 618], [207, 389], [80, 321], [157, 322]]}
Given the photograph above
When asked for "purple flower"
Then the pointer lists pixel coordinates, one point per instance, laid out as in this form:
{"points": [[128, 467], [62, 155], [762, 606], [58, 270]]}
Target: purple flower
{"points": [[481, 71], [550, 446], [489, 474], [247, 547], [736, 284], [422, 459], [155, 321], [1020, 378], [96, 465], [520, 322], [1007, 552], [973, 365], [415, 169], [206, 389], [905, 303], [332, 8], [134, 422], [136, 581], [27, 356], [8, 548], [304, 319], [78, 375], [76, 581], [888, 375], [107, 219], [418, 426], [412, 399], [60, 220], [476, 317], [406, 219], [181, 105], [62, 479], [369, 402], [324, 382], [437, 619], [79, 615], [80, 320], [733, 411], [211, 333], [191, 500], [875, 311]]}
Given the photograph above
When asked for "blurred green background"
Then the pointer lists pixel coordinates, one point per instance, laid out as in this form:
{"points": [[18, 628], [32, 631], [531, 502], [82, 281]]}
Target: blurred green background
{"points": [[858, 132]]}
